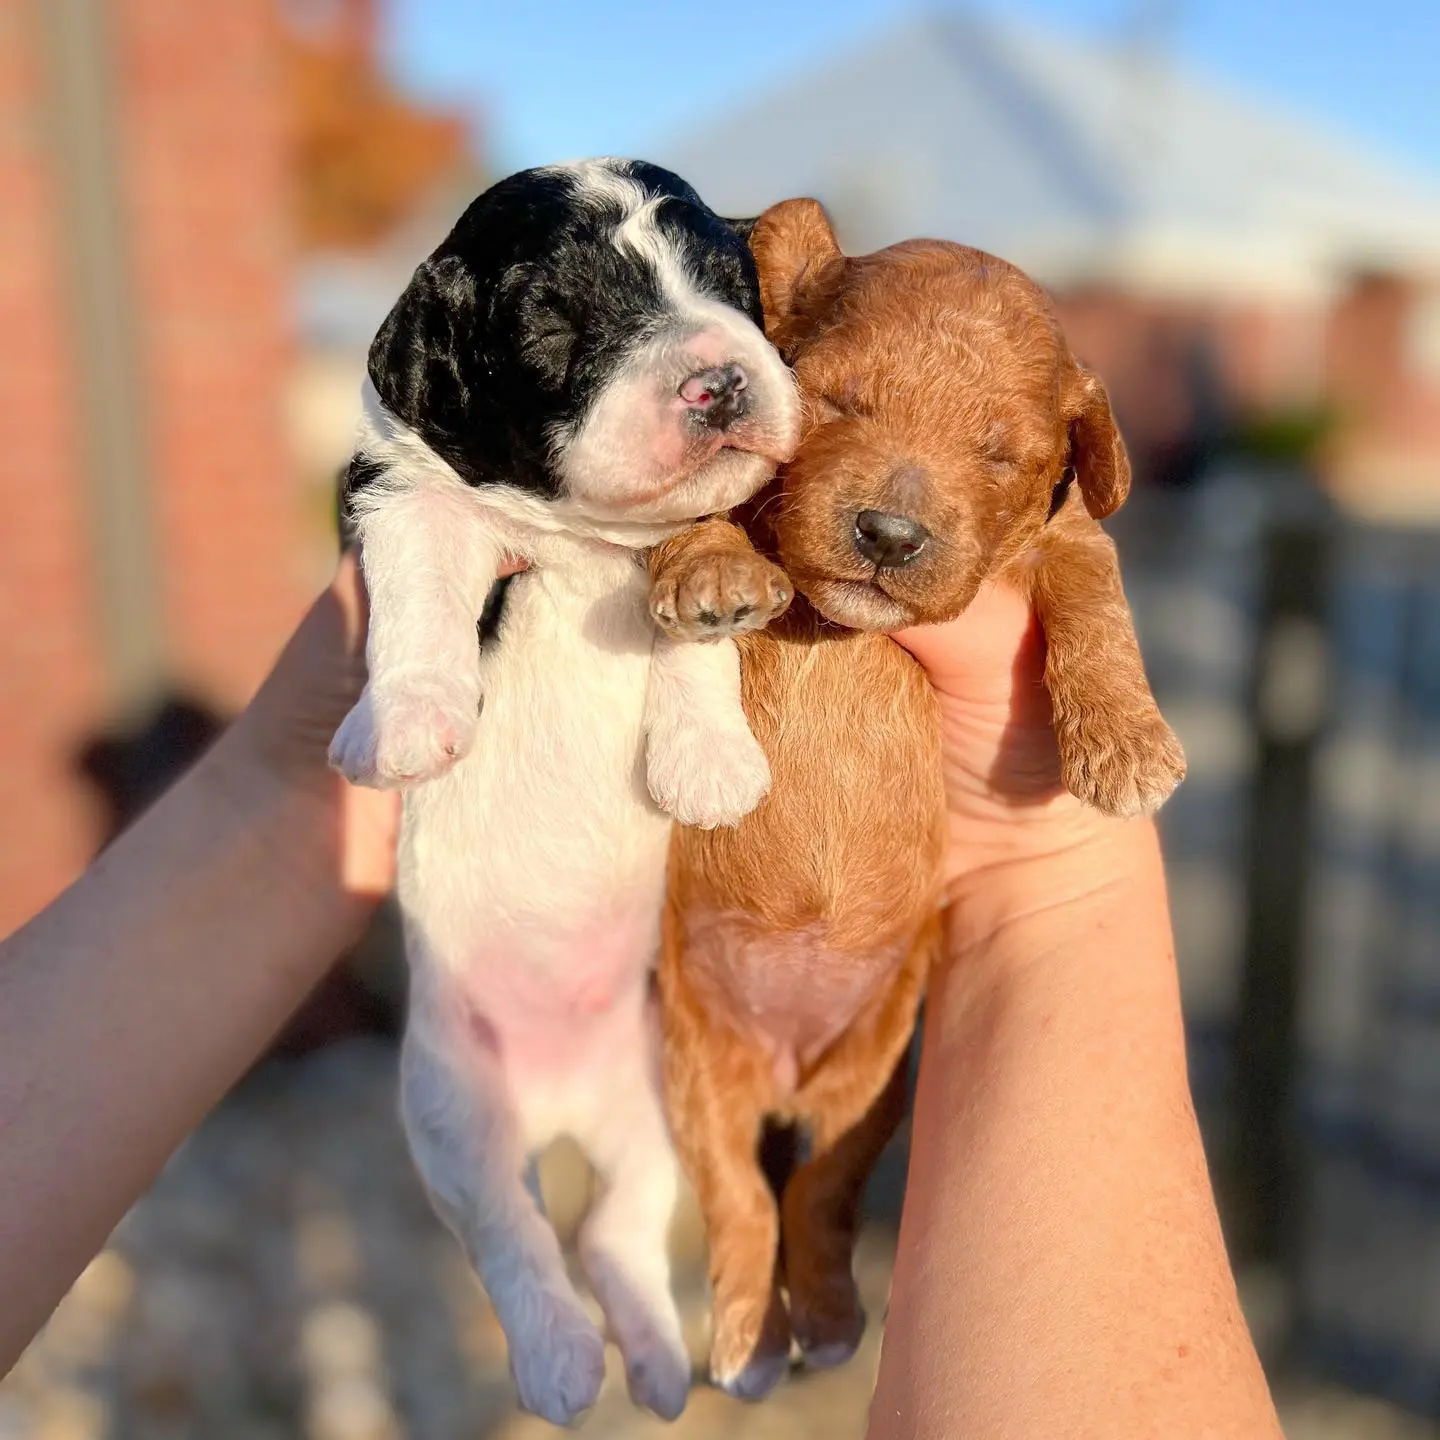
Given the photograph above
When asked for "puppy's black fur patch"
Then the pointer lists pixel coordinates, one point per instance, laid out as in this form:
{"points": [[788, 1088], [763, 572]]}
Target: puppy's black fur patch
{"points": [[507, 332], [488, 626], [360, 472]]}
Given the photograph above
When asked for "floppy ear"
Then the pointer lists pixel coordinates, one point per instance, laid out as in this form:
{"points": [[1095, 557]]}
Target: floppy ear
{"points": [[1097, 452], [426, 361], [800, 267]]}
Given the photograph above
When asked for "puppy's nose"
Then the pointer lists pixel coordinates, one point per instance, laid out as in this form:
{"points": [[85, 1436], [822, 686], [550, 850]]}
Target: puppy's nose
{"points": [[717, 395], [889, 541]]}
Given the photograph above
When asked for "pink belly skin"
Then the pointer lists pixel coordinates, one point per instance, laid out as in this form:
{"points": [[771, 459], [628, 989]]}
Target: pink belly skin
{"points": [[557, 1005], [799, 994]]}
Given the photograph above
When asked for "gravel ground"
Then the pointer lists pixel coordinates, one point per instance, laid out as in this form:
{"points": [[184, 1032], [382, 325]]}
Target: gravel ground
{"points": [[285, 1278]]}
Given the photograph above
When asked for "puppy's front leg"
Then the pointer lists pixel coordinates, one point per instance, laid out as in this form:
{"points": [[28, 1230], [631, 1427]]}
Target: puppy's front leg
{"points": [[429, 557], [702, 763], [709, 582], [1116, 751]]}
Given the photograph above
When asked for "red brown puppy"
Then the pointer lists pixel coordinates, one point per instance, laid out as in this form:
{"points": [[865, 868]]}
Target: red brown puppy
{"points": [[950, 438]]}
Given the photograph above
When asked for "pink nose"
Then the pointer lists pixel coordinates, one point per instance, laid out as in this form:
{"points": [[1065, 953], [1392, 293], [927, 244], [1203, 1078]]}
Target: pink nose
{"points": [[717, 396]]}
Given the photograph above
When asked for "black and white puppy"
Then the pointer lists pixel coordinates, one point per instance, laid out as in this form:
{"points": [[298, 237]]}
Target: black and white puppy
{"points": [[574, 375]]}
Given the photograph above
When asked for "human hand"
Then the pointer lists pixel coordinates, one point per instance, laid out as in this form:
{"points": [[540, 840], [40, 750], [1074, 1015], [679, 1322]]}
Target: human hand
{"points": [[281, 741], [1053, 1108], [1006, 801]]}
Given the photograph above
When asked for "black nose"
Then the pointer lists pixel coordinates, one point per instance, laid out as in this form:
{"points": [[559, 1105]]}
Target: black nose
{"points": [[889, 541], [717, 396]]}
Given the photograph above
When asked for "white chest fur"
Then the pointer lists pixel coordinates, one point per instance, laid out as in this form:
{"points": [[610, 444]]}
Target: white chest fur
{"points": [[539, 770], [544, 840]]}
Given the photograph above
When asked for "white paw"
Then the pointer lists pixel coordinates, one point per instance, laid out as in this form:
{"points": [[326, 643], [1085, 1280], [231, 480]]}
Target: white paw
{"points": [[706, 777], [559, 1365], [410, 731], [657, 1371]]}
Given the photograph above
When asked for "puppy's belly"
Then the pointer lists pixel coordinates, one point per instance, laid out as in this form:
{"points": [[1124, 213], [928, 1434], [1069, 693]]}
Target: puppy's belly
{"points": [[532, 875], [790, 994], [576, 1046], [805, 912]]}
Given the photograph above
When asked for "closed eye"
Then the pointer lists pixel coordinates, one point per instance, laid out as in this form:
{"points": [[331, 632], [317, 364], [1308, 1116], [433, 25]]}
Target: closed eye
{"points": [[841, 408], [547, 331], [997, 445]]}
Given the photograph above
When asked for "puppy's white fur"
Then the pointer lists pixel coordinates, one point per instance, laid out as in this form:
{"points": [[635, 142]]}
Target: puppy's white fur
{"points": [[612, 461], [533, 858]]}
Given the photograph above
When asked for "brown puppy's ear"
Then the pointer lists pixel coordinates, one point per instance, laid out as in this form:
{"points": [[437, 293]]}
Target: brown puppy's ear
{"points": [[800, 264], [1097, 452]]}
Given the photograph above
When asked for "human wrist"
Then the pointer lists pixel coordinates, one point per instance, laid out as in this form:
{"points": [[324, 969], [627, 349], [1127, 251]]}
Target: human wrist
{"points": [[1050, 876], [294, 824]]}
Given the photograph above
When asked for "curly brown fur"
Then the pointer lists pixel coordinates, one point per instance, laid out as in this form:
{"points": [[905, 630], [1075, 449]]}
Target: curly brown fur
{"points": [[937, 389]]}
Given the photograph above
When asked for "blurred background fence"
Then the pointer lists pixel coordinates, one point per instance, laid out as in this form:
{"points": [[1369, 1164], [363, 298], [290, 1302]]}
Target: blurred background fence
{"points": [[1296, 650]]}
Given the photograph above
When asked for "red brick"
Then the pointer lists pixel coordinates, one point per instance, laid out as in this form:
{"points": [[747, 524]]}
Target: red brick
{"points": [[202, 172]]}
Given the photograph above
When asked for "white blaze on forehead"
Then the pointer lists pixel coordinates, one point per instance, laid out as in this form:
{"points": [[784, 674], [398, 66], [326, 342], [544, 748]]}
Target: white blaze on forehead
{"points": [[602, 184], [604, 181], [632, 440], [606, 185], [642, 237]]}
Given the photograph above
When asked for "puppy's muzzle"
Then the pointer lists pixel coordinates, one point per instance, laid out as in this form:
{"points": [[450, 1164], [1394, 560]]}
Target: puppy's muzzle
{"points": [[717, 397], [887, 541]]}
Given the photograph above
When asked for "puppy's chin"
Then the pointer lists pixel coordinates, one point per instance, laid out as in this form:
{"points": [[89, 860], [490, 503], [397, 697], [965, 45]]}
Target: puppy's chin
{"points": [[728, 478], [856, 604]]}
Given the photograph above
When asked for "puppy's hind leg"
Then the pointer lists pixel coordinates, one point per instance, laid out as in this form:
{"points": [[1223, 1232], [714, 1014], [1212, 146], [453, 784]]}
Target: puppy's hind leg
{"points": [[624, 1240], [855, 1101], [820, 1217], [716, 1093], [467, 1144]]}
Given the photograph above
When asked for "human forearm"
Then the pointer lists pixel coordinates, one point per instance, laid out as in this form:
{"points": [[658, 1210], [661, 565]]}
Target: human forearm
{"points": [[1061, 1270], [129, 1006]]}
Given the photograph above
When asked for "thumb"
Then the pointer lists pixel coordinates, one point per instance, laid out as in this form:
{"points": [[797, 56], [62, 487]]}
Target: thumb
{"points": [[940, 649], [981, 647]]}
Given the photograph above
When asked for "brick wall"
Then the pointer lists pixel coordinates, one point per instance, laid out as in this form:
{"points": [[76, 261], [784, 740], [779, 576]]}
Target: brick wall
{"points": [[203, 154], [50, 672], [199, 142], [1360, 355], [1384, 375]]}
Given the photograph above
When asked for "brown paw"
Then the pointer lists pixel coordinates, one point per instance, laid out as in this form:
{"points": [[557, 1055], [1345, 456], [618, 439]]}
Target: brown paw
{"points": [[751, 1350], [712, 596], [1123, 766], [828, 1321]]}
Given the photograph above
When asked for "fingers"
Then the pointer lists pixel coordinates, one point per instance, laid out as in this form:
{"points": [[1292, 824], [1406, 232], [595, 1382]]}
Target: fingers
{"points": [[996, 642], [348, 588]]}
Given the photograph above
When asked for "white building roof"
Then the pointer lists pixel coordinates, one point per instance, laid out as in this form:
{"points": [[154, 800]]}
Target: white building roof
{"points": [[1076, 161]]}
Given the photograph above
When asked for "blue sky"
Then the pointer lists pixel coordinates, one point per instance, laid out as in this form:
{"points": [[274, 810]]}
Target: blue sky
{"points": [[551, 80]]}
